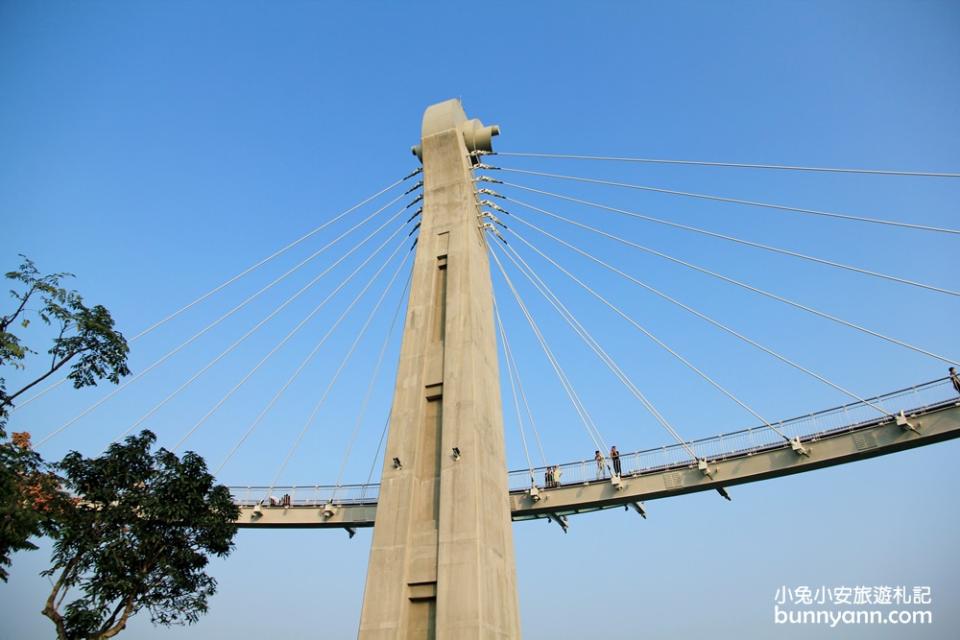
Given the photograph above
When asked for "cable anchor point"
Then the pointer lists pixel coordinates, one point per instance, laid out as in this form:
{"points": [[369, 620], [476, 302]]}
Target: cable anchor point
{"points": [[704, 467], [493, 205], [617, 482], [489, 227], [906, 424], [798, 448], [488, 215]]}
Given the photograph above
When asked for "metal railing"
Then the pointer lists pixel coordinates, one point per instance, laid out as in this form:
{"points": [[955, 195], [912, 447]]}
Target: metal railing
{"points": [[806, 428], [306, 496]]}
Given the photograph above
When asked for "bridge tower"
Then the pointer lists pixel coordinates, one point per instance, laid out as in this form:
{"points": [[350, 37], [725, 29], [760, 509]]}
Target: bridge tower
{"points": [[442, 563]]}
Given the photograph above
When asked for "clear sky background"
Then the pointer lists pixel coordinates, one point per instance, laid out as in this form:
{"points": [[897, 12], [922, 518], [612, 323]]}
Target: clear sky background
{"points": [[157, 149]]}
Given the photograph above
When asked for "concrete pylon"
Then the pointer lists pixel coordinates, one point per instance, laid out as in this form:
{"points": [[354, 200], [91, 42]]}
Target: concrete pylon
{"points": [[442, 563]]}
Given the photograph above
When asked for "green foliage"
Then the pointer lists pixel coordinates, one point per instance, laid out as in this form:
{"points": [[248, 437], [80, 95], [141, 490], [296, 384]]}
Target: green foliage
{"points": [[17, 522], [132, 529], [12, 352], [137, 537], [29, 498], [85, 335]]}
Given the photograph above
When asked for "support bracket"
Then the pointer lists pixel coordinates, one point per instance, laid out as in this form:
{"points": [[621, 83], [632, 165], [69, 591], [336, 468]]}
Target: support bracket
{"points": [[560, 520], [798, 448], [906, 424], [704, 467]]}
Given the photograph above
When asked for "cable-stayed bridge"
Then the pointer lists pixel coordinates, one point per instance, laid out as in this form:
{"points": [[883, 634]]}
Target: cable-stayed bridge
{"points": [[461, 239], [833, 436]]}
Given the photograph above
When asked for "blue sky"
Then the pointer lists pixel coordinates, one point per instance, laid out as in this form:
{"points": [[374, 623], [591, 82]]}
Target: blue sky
{"points": [[155, 150]]}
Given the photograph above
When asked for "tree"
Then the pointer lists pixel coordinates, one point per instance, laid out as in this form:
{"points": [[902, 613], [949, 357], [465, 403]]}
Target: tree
{"points": [[84, 336], [30, 496], [132, 529], [138, 537]]}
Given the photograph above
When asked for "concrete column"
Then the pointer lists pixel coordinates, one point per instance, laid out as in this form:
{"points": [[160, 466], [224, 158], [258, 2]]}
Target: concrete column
{"points": [[442, 564]]}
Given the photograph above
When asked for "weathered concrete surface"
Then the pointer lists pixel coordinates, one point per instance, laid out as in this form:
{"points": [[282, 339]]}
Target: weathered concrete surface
{"points": [[441, 563]]}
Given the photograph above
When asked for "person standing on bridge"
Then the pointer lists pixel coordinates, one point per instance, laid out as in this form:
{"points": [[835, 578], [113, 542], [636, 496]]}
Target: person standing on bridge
{"points": [[600, 464], [615, 457], [955, 379]]}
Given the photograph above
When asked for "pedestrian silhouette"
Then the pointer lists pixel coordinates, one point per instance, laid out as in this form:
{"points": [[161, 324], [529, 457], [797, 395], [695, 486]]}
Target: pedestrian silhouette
{"points": [[600, 464]]}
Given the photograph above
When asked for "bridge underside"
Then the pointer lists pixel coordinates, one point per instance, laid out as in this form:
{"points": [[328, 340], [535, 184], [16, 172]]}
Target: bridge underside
{"points": [[924, 426]]}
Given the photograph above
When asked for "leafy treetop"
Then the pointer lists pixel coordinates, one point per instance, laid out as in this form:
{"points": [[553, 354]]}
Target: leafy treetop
{"points": [[84, 335], [137, 537]]}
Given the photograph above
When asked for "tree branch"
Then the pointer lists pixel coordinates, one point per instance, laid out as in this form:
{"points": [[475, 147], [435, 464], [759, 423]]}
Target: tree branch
{"points": [[109, 622], [50, 609], [8, 400], [7, 321], [63, 596], [122, 622], [63, 330]]}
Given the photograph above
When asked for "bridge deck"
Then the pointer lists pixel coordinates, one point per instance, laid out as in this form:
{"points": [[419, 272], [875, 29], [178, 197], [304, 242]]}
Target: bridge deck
{"points": [[830, 437]]}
